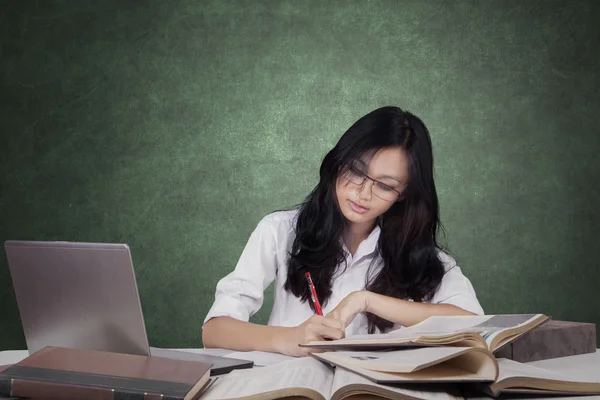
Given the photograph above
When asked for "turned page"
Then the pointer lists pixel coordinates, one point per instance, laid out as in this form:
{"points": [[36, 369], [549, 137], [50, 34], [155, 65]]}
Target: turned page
{"points": [[498, 324], [401, 361], [344, 378], [305, 372], [446, 364]]}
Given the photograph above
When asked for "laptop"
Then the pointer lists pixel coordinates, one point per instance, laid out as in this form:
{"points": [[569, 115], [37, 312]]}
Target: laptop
{"points": [[84, 295]]}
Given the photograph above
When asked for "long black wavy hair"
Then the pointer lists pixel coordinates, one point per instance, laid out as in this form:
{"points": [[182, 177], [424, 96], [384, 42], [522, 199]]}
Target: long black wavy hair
{"points": [[408, 241]]}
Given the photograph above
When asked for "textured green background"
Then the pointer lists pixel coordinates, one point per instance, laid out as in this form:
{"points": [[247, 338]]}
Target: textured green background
{"points": [[174, 126]]}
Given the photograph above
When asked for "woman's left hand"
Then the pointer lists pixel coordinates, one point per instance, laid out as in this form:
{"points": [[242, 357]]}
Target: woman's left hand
{"points": [[352, 305]]}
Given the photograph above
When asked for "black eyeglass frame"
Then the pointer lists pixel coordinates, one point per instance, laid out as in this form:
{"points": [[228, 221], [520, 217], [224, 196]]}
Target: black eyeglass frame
{"points": [[364, 177]]}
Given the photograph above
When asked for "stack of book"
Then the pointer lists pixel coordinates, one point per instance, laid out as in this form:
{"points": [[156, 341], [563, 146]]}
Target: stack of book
{"points": [[440, 358]]}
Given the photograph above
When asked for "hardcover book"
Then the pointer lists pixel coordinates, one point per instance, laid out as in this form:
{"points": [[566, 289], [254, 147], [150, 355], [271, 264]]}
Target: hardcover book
{"points": [[69, 374]]}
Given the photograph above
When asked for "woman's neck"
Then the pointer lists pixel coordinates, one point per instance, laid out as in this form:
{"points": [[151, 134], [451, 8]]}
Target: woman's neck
{"points": [[356, 234]]}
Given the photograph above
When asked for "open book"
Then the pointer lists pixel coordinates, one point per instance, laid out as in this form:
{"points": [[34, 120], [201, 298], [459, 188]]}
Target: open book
{"points": [[453, 364], [489, 332], [309, 378]]}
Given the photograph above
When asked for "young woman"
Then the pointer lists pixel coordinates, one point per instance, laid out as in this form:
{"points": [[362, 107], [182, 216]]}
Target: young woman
{"points": [[367, 235]]}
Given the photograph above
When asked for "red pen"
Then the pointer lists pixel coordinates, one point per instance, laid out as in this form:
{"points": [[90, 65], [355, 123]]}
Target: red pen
{"points": [[313, 294]]}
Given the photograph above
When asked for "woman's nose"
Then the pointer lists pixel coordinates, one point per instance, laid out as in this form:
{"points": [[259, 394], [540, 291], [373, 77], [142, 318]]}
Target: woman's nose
{"points": [[365, 191]]}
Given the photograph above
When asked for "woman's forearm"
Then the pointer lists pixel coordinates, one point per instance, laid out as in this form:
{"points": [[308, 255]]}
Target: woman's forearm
{"points": [[407, 313], [230, 333]]}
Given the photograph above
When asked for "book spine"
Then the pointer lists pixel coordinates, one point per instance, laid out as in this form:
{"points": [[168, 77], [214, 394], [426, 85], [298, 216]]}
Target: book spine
{"points": [[55, 391], [4, 386]]}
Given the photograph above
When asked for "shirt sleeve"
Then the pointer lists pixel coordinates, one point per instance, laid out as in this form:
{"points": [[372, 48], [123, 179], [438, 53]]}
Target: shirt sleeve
{"points": [[240, 294], [455, 288]]}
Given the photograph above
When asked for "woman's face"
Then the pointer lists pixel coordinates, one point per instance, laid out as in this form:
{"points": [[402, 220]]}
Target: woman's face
{"points": [[363, 203]]}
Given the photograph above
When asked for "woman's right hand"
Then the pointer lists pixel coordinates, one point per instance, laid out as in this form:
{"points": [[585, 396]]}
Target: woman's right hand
{"points": [[314, 328]]}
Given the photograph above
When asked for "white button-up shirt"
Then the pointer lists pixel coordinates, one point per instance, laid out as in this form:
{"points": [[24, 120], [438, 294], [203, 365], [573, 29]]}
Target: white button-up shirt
{"points": [[264, 260]]}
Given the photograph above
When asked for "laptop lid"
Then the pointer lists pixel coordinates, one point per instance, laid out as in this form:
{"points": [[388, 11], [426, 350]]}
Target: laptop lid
{"points": [[78, 295], [85, 295]]}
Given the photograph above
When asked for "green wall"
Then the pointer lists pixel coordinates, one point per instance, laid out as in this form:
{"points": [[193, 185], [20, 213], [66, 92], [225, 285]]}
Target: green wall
{"points": [[174, 126]]}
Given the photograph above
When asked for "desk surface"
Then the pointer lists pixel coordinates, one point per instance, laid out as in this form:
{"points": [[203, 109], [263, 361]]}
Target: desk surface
{"points": [[585, 366]]}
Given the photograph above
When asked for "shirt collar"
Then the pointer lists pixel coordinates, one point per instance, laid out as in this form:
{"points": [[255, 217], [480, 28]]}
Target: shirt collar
{"points": [[370, 243], [367, 246]]}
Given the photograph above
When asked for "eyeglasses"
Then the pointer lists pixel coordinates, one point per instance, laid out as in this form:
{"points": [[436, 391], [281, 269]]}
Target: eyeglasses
{"points": [[381, 190]]}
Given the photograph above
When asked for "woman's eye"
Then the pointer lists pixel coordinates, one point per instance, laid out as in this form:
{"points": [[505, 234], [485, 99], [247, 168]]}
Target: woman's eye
{"points": [[386, 188]]}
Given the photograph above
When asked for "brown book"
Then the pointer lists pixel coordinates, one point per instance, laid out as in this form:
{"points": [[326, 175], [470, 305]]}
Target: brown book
{"points": [[551, 340], [69, 374]]}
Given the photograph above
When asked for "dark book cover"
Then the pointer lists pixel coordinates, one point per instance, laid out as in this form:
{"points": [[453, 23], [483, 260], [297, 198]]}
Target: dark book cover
{"points": [[551, 340]]}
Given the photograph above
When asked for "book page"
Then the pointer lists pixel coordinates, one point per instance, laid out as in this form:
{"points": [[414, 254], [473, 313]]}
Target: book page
{"points": [[434, 326], [343, 378], [522, 378], [513, 369], [444, 324], [305, 372], [485, 325]]}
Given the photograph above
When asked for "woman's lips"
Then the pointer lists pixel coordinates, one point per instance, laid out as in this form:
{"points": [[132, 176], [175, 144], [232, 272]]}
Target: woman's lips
{"points": [[357, 208]]}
